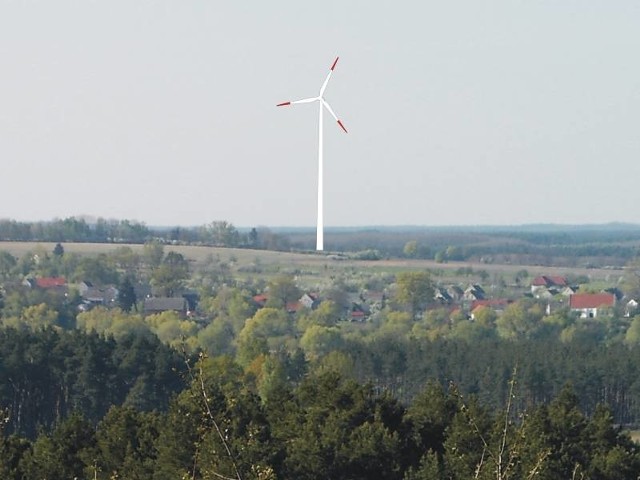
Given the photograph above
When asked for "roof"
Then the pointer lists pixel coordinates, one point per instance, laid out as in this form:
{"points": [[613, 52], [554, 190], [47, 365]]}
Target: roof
{"points": [[373, 296], [163, 304], [106, 294], [549, 281], [475, 294], [309, 299], [441, 293], [491, 303], [591, 300], [475, 288], [51, 282], [293, 307], [260, 300]]}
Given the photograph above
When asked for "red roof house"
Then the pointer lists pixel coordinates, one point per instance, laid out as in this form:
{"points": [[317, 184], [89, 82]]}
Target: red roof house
{"points": [[260, 300], [587, 304], [547, 285], [293, 307], [499, 303], [549, 281], [496, 304], [50, 282]]}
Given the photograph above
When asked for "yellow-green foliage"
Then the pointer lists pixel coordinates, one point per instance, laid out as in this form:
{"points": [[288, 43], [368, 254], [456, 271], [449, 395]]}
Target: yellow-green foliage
{"points": [[397, 324], [34, 317], [338, 362], [433, 324], [268, 329], [170, 328], [113, 322], [319, 340], [632, 336], [217, 337], [167, 326], [267, 322]]}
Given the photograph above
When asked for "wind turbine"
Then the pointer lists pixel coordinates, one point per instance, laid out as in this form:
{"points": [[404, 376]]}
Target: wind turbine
{"points": [[323, 104]]}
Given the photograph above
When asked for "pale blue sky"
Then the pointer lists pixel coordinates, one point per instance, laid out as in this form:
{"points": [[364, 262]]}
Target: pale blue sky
{"points": [[459, 112]]}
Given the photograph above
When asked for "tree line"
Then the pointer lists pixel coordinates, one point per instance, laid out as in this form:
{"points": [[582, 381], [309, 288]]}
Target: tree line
{"points": [[606, 245], [72, 229]]}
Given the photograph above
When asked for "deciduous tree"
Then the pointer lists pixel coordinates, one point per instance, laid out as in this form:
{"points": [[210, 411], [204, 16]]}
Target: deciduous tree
{"points": [[414, 289], [168, 278]]}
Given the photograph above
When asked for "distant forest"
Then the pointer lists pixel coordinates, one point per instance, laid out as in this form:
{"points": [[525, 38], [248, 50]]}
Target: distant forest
{"points": [[570, 245]]}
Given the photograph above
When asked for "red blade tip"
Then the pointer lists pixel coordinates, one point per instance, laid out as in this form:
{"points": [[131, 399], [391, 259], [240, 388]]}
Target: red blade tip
{"points": [[334, 63], [342, 126], [283, 104]]}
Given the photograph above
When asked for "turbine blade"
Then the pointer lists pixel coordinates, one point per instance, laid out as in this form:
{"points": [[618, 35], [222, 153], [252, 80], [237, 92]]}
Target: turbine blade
{"points": [[306, 100], [283, 104], [326, 80], [333, 114]]}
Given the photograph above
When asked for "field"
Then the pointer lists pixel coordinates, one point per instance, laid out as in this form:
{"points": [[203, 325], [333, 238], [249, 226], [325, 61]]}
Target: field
{"points": [[267, 263]]}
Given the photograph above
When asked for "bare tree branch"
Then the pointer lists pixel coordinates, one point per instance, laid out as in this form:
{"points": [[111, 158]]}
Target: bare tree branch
{"points": [[205, 397]]}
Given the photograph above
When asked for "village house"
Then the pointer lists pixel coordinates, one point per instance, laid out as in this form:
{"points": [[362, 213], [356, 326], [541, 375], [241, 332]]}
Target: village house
{"points": [[473, 293], [260, 300], [93, 295], [455, 292], [568, 291], [374, 300], [293, 307], [45, 282], [155, 305], [53, 284], [547, 282], [631, 308], [496, 304], [359, 313], [590, 305], [310, 300], [441, 295]]}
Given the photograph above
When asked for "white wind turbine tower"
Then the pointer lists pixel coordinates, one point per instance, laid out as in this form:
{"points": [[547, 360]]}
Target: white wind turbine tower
{"points": [[323, 104]]}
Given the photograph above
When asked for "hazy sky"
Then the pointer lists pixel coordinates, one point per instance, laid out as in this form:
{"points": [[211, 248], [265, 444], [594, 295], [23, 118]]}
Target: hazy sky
{"points": [[459, 112]]}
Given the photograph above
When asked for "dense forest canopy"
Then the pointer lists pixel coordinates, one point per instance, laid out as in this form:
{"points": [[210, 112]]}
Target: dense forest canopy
{"points": [[284, 420]]}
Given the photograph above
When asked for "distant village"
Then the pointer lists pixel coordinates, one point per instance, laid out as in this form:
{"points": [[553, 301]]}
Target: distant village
{"points": [[554, 291]]}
